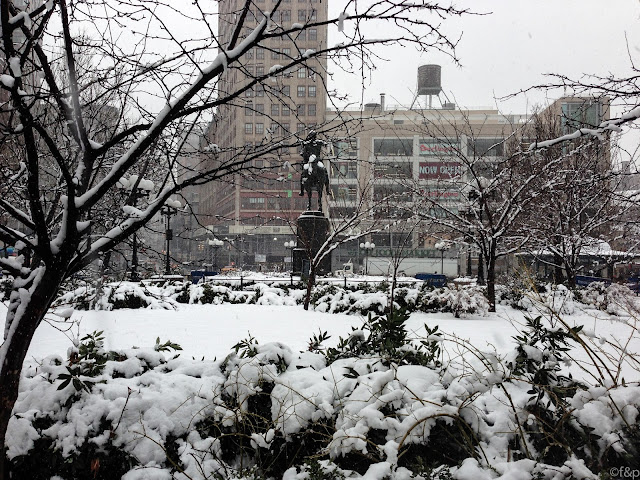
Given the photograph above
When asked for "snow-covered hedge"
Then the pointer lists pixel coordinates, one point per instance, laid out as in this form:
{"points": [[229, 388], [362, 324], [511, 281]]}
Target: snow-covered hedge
{"points": [[377, 407], [360, 300]]}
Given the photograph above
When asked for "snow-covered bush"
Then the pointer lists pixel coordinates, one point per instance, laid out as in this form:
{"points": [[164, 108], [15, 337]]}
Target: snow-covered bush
{"points": [[377, 406], [555, 298], [615, 299], [113, 296], [467, 301], [325, 297], [6, 283]]}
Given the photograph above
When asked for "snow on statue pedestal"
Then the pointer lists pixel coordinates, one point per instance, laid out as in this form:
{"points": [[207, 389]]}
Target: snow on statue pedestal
{"points": [[313, 226]]}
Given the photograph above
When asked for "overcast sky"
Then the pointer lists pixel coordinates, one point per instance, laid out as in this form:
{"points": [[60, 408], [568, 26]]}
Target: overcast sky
{"points": [[511, 49]]}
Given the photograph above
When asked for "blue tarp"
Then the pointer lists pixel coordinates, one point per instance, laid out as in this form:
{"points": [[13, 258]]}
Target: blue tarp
{"points": [[584, 280], [433, 279], [197, 275]]}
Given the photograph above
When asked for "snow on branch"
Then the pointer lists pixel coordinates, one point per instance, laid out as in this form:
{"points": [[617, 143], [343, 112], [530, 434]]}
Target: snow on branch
{"points": [[612, 125]]}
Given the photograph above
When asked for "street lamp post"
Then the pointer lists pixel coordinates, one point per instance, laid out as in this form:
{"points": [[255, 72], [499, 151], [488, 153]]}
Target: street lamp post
{"points": [[135, 188], [169, 209], [442, 246], [291, 245], [215, 244], [368, 248]]}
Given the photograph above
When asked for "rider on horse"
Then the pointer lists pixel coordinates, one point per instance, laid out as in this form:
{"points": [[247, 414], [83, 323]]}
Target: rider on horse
{"points": [[314, 174]]}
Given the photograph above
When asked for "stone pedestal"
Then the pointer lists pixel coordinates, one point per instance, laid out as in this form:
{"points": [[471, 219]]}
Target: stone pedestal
{"points": [[313, 230]]}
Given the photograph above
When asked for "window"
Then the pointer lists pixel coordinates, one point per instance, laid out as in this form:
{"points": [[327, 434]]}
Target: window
{"points": [[302, 72], [347, 148], [275, 16], [311, 109], [259, 128], [302, 15], [393, 147], [286, 128], [396, 191], [491, 147], [299, 127], [259, 90], [275, 109], [286, 52], [255, 203], [314, 14], [248, 128], [576, 115], [311, 91], [260, 108], [286, 15], [249, 54], [248, 109], [260, 53], [343, 193], [275, 54], [248, 92], [275, 128], [313, 34], [286, 90], [344, 169], [301, 110], [285, 110], [259, 70], [258, 162], [302, 35], [249, 71], [393, 169], [302, 90]]}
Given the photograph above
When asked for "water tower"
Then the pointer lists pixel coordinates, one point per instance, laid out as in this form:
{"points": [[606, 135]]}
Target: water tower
{"points": [[429, 82]]}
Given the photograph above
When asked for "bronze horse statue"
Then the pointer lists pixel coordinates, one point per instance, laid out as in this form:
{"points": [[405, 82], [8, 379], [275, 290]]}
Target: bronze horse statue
{"points": [[314, 174]]}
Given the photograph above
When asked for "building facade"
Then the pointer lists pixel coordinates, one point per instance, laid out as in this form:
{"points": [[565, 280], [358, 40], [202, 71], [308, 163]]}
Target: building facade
{"points": [[253, 212]]}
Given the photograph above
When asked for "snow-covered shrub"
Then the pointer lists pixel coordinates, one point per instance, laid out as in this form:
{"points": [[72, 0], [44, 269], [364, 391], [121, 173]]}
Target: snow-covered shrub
{"points": [[467, 301], [6, 283], [372, 408], [113, 296], [615, 299], [557, 298], [461, 301], [516, 291]]}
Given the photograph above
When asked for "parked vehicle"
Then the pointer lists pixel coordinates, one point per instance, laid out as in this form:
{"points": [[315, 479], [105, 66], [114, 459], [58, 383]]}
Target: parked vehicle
{"points": [[347, 270]]}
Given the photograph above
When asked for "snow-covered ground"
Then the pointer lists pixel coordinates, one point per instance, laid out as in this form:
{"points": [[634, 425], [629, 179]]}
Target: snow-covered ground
{"points": [[210, 331], [145, 405]]}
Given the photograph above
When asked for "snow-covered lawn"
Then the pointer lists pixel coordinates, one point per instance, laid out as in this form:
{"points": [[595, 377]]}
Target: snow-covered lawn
{"points": [[210, 331]]}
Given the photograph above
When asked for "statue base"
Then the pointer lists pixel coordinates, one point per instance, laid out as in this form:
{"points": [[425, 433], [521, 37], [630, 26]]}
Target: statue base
{"points": [[313, 231]]}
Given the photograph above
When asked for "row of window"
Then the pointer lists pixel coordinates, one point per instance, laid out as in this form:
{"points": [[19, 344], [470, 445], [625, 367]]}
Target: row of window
{"points": [[251, 71], [275, 128], [437, 147], [289, 1], [273, 203], [302, 110]]}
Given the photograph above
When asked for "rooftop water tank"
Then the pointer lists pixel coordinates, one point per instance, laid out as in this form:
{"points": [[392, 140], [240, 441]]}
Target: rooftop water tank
{"points": [[429, 80]]}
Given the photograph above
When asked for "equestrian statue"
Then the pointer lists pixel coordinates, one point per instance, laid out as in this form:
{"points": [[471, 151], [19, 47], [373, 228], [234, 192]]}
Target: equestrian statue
{"points": [[314, 174]]}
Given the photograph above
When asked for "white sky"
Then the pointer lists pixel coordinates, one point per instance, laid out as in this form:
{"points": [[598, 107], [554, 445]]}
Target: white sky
{"points": [[511, 49]]}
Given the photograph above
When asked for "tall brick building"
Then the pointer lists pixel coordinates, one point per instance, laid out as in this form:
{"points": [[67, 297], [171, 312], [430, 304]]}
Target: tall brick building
{"points": [[255, 211]]}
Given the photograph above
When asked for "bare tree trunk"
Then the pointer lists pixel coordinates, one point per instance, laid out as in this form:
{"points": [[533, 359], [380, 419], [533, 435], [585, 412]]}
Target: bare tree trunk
{"points": [[16, 346], [558, 275], [311, 281], [480, 268], [491, 278]]}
